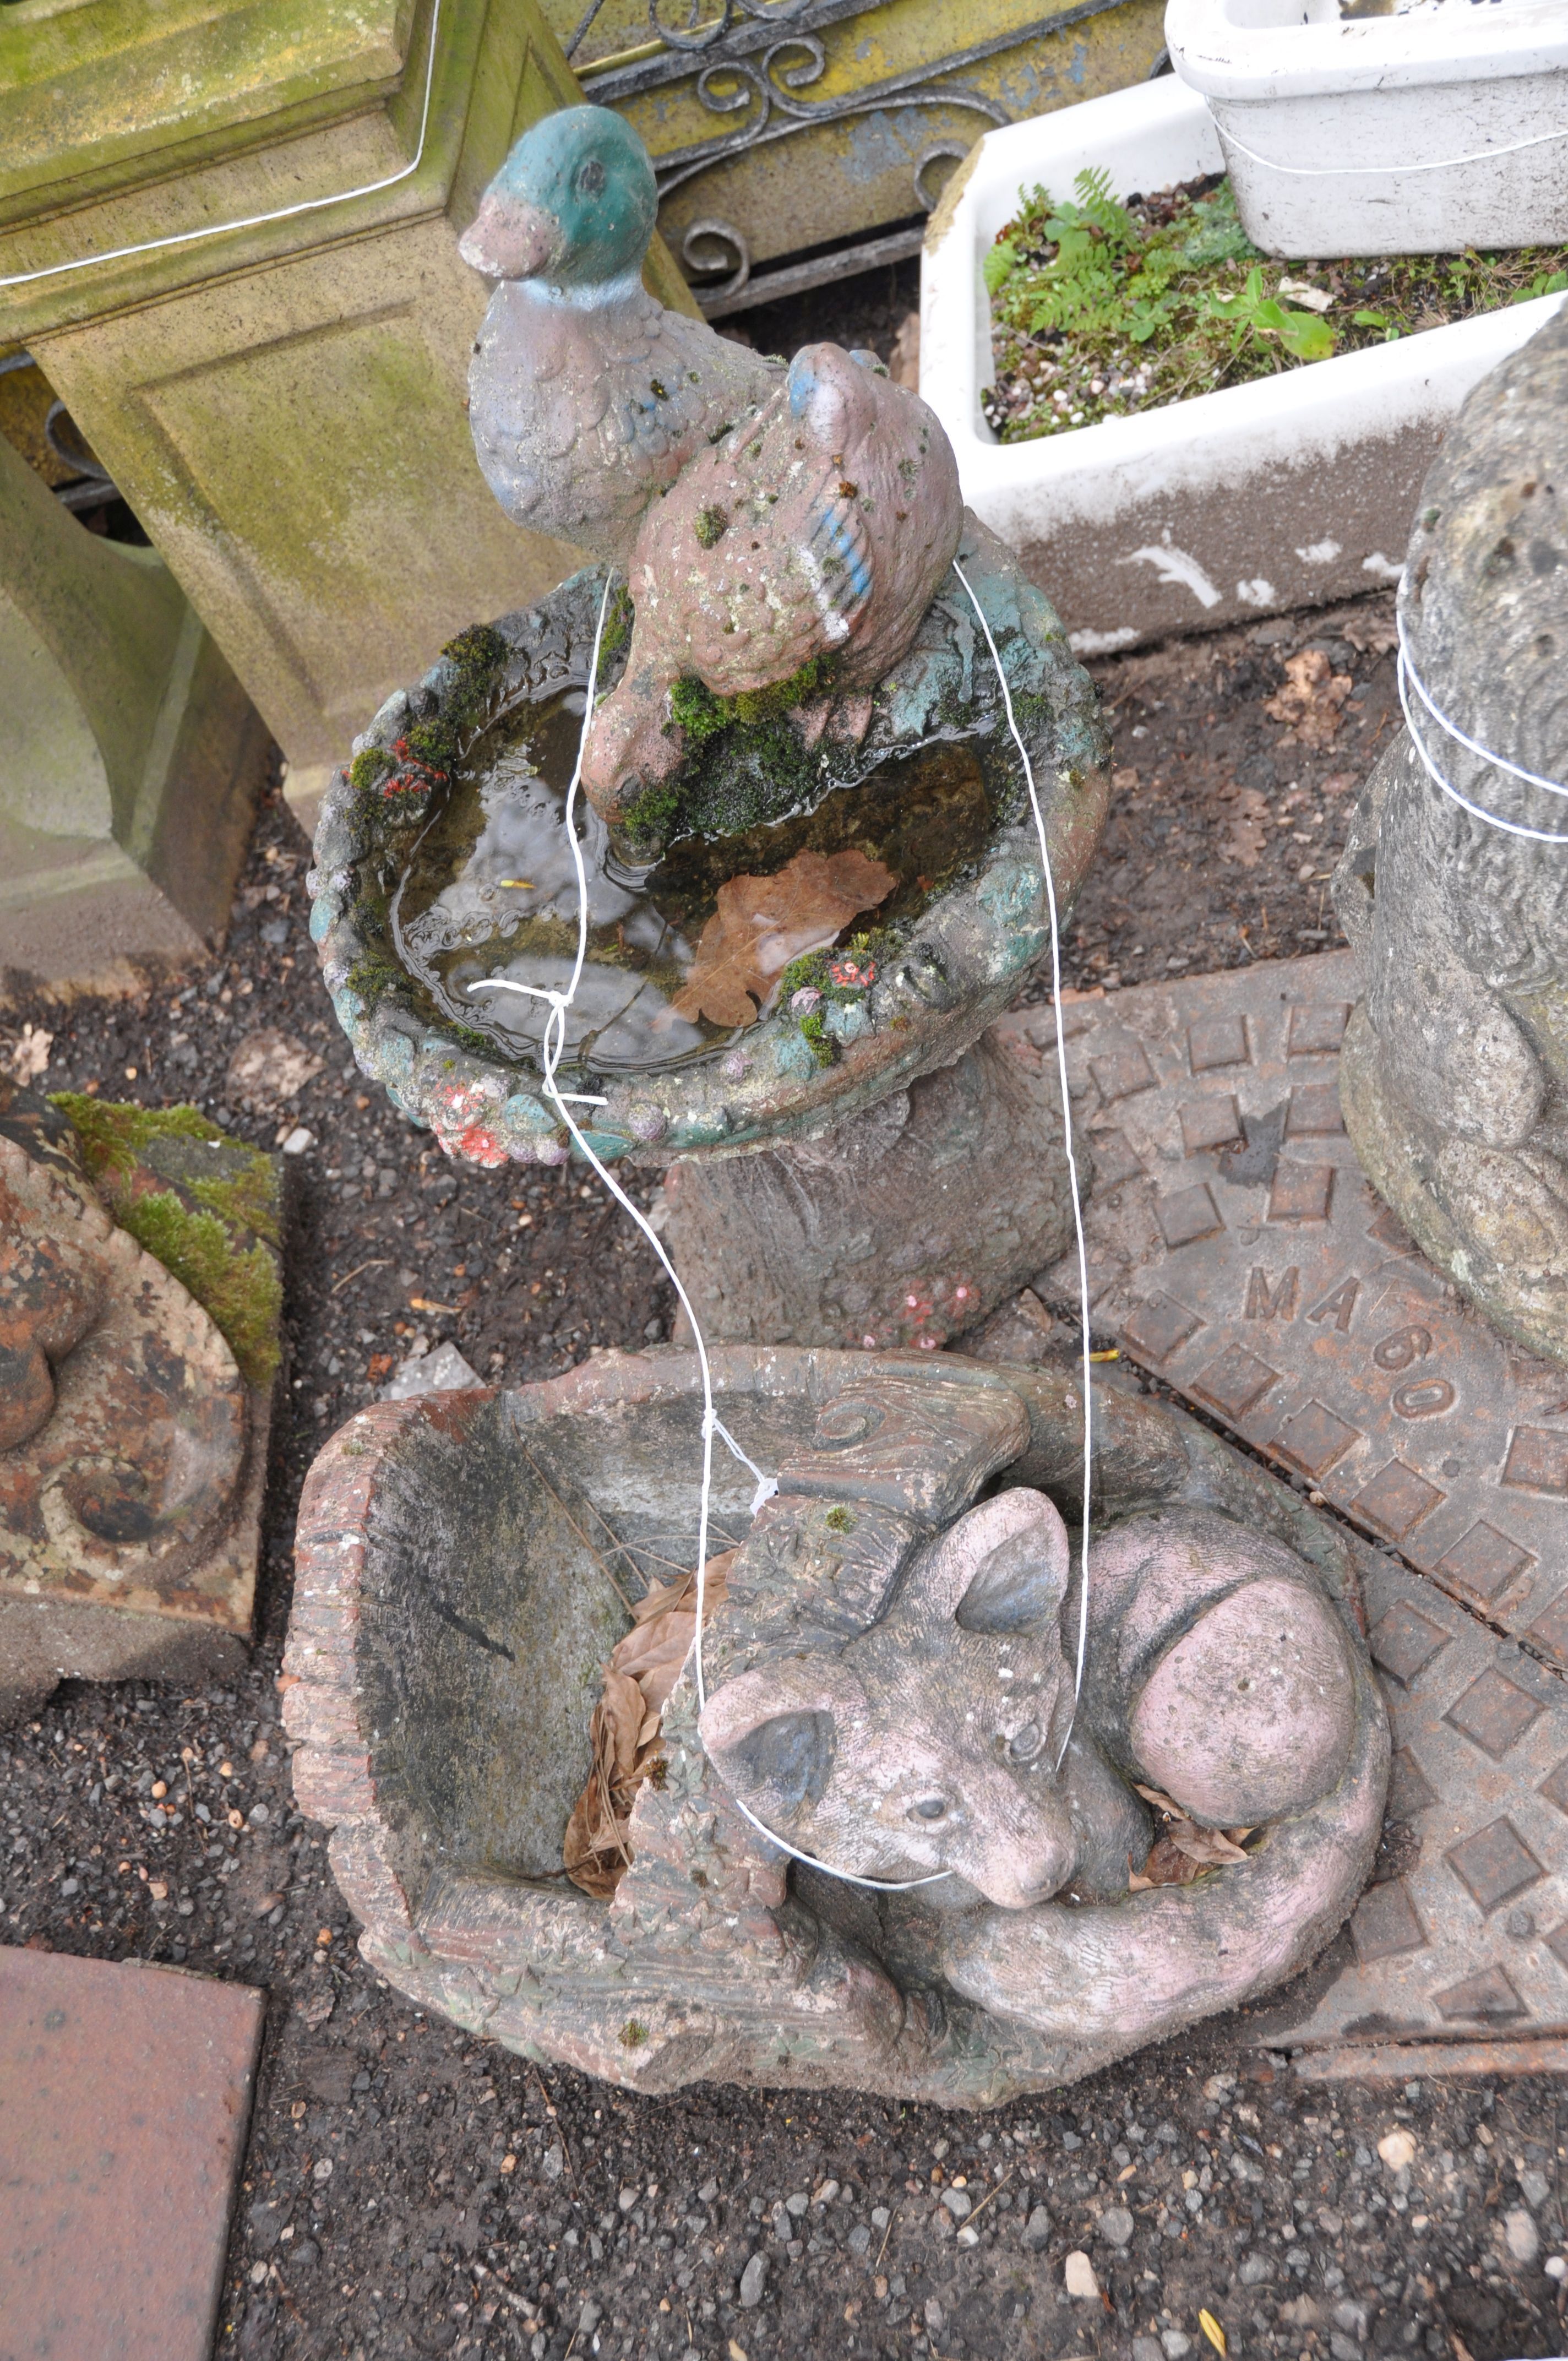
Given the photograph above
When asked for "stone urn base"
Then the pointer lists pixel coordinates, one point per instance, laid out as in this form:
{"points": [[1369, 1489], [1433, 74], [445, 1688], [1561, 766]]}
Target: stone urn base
{"points": [[468, 1561]]}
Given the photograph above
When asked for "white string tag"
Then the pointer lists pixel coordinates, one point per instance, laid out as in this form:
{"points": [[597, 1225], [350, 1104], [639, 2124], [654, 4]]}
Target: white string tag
{"points": [[1067, 1144], [1382, 171], [1408, 678]]}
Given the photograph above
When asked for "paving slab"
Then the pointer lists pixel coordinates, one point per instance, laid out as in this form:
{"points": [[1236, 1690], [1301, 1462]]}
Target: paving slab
{"points": [[1237, 1252], [125, 2098]]}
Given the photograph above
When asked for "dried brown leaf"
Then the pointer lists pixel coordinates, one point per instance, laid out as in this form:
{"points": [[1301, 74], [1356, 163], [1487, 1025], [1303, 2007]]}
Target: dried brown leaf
{"points": [[1312, 702], [1248, 832], [624, 1732], [270, 1067], [1372, 635], [1167, 1866], [1210, 1848], [1182, 1850], [763, 923]]}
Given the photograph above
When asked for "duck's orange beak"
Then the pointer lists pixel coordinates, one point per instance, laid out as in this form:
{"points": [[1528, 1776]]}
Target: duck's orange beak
{"points": [[509, 238]]}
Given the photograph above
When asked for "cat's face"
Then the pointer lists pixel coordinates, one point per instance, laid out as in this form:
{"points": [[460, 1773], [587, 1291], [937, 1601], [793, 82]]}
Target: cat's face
{"points": [[930, 1742]]}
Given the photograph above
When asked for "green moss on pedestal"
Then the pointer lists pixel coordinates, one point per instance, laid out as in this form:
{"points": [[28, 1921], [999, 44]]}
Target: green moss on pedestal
{"points": [[217, 1230]]}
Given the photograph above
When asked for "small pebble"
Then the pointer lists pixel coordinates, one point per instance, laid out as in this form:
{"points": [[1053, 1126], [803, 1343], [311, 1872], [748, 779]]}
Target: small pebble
{"points": [[1397, 2150], [1116, 2226], [1078, 2278], [752, 2280], [1520, 2235]]}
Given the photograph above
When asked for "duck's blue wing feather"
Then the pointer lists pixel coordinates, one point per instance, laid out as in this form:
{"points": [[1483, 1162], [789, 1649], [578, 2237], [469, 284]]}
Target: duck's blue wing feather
{"points": [[836, 557]]}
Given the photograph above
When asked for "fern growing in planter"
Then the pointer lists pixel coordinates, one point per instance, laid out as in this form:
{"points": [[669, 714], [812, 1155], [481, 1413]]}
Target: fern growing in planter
{"points": [[1100, 306]]}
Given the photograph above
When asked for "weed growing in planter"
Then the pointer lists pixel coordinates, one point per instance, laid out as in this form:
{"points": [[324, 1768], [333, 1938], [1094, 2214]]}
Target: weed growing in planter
{"points": [[1099, 308]]}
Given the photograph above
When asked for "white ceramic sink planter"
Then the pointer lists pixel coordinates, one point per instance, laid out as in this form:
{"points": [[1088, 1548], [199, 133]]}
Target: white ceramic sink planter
{"points": [[1318, 113], [1292, 490]]}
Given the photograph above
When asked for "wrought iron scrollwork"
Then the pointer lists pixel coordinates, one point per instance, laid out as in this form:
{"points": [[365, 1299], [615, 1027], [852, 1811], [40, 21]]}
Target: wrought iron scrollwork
{"points": [[693, 36], [753, 64], [939, 149], [725, 234]]}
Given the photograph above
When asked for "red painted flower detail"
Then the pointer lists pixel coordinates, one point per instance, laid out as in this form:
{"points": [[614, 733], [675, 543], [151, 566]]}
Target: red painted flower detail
{"points": [[413, 778]]}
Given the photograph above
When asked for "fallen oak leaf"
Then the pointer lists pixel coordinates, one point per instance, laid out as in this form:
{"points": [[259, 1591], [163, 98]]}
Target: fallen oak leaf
{"points": [[760, 924], [1182, 1850], [1209, 1847]]}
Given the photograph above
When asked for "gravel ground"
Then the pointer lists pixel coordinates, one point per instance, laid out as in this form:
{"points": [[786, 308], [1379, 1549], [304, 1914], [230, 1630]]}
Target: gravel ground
{"points": [[408, 2190]]}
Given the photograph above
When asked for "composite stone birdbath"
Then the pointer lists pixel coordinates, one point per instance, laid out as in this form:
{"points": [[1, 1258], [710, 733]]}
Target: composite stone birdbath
{"points": [[1455, 1061], [814, 869], [888, 1687], [878, 1177]]}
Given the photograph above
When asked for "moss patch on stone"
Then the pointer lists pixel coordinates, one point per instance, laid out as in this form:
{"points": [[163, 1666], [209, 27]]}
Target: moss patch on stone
{"points": [[745, 763], [114, 1134], [217, 1232], [369, 769], [618, 623], [813, 971]]}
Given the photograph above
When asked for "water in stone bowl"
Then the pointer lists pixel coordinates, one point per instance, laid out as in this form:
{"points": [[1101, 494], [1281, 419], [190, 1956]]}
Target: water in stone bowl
{"points": [[816, 913], [489, 890]]}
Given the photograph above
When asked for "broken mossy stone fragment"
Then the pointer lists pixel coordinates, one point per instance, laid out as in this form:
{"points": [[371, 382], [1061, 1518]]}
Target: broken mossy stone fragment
{"points": [[207, 1207]]}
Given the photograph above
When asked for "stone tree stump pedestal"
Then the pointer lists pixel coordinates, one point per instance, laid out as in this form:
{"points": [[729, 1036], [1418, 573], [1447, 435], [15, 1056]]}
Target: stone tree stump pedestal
{"points": [[902, 1225]]}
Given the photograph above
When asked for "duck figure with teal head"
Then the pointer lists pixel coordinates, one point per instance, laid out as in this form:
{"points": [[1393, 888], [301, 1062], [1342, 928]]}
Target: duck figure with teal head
{"points": [[585, 396]]}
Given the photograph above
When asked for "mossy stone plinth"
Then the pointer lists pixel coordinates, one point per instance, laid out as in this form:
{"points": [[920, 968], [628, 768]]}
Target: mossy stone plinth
{"points": [[140, 1304], [283, 405], [207, 1207]]}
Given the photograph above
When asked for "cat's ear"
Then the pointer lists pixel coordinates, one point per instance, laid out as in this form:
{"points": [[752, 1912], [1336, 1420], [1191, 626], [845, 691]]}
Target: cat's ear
{"points": [[1001, 1569], [770, 1736]]}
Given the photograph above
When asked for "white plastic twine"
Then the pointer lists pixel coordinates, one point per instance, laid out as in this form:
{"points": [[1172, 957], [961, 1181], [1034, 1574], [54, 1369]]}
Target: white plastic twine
{"points": [[1409, 678], [553, 1044], [254, 221], [1382, 171], [1067, 1143]]}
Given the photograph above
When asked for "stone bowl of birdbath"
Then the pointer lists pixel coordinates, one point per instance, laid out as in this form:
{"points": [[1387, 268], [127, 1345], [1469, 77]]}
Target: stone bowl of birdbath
{"points": [[889, 1682], [441, 861]]}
